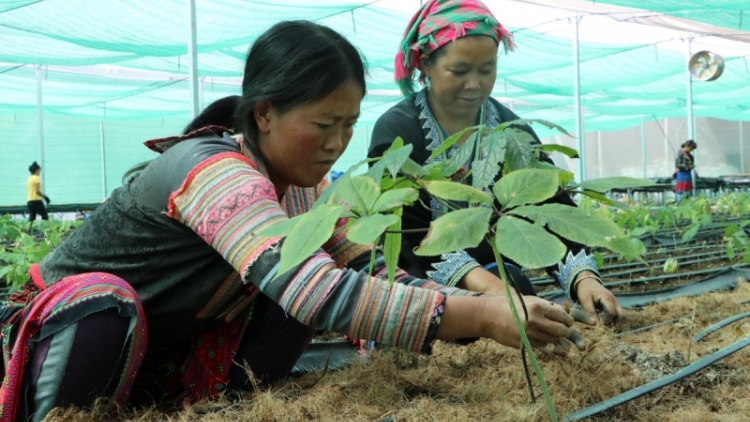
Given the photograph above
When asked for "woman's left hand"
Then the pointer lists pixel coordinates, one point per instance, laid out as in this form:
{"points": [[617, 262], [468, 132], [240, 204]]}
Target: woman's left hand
{"points": [[592, 295]]}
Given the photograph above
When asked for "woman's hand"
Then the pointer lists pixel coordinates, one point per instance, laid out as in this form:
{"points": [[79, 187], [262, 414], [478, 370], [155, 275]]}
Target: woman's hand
{"points": [[593, 296], [548, 323]]}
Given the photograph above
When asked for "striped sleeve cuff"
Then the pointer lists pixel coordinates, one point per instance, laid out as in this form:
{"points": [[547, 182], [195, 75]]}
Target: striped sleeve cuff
{"points": [[398, 315]]}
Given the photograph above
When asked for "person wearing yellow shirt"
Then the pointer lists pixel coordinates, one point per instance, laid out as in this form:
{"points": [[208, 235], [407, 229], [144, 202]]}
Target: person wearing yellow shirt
{"points": [[34, 194]]}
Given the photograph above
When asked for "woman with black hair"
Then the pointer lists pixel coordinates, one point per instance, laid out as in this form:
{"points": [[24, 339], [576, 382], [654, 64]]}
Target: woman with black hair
{"points": [[684, 165], [166, 288]]}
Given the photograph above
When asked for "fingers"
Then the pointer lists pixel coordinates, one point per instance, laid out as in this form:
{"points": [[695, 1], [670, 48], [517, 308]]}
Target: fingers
{"points": [[581, 316], [588, 305], [613, 314], [578, 340]]}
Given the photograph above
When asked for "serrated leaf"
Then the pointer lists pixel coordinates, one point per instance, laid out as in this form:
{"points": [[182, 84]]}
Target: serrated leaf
{"points": [[494, 147], [454, 191], [462, 155], [411, 167], [376, 171], [586, 226], [392, 247], [451, 140], [527, 244], [562, 149], [366, 230], [519, 150], [619, 182], [395, 198], [327, 195], [546, 123], [483, 173], [527, 186], [281, 229], [360, 193], [395, 159], [314, 228], [599, 258], [629, 247], [455, 230]]}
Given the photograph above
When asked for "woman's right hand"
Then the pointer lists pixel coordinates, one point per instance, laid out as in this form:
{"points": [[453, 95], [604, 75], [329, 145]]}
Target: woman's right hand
{"points": [[548, 323]]}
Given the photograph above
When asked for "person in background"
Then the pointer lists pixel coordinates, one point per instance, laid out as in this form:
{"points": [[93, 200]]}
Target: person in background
{"points": [[167, 291], [34, 194], [451, 48], [684, 165]]}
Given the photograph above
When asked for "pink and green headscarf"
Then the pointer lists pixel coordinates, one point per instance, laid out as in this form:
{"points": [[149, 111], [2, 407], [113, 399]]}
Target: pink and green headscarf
{"points": [[437, 23]]}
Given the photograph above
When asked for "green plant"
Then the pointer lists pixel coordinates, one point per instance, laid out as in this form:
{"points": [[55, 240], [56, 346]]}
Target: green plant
{"points": [[475, 209], [20, 249]]}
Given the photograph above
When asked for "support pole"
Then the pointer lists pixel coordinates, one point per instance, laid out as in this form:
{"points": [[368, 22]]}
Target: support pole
{"points": [[104, 160], [643, 144], [742, 149], [580, 133], [689, 97], [40, 123], [599, 153], [193, 60], [667, 160], [201, 100]]}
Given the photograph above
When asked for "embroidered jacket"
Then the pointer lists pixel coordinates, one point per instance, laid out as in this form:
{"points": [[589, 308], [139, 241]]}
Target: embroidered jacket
{"points": [[182, 233], [414, 122]]}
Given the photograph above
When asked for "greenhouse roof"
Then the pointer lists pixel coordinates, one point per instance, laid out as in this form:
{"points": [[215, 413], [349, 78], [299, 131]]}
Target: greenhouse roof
{"points": [[128, 59]]}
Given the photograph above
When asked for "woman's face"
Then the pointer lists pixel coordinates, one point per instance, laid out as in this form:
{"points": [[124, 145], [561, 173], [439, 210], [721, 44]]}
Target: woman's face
{"points": [[462, 77], [300, 145]]}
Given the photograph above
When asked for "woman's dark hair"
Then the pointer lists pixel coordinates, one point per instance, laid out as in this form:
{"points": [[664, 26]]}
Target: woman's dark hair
{"points": [[690, 143], [34, 167], [294, 63], [218, 113]]}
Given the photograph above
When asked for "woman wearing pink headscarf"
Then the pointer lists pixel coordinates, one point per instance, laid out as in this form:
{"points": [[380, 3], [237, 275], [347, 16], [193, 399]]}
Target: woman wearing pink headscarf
{"points": [[451, 48]]}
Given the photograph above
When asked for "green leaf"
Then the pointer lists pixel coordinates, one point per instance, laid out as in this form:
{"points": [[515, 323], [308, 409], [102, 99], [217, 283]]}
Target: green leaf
{"points": [[494, 146], [327, 195], [730, 251], [602, 199], [586, 226], [392, 247], [527, 186], [451, 141], [360, 193], [395, 198], [395, 159], [483, 173], [411, 167], [455, 230], [619, 182], [282, 229], [690, 233], [462, 155], [546, 123], [527, 244], [314, 228], [5, 270], [629, 247], [599, 258], [519, 150], [454, 191], [367, 230], [562, 149], [376, 171]]}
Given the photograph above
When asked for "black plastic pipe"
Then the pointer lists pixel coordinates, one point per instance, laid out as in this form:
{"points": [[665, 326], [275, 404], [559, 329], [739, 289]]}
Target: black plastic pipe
{"points": [[700, 336], [660, 383]]}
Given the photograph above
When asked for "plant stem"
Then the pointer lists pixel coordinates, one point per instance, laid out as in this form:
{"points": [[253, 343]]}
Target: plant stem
{"points": [[408, 231], [522, 331]]}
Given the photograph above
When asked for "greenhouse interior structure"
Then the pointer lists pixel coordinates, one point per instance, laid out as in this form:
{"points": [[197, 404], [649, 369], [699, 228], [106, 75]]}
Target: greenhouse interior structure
{"points": [[84, 83]]}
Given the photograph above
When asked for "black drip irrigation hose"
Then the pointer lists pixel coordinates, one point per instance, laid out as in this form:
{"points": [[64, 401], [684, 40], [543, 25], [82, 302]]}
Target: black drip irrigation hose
{"points": [[700, 336], [648, 327], [722, 280], [660, 383]]}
